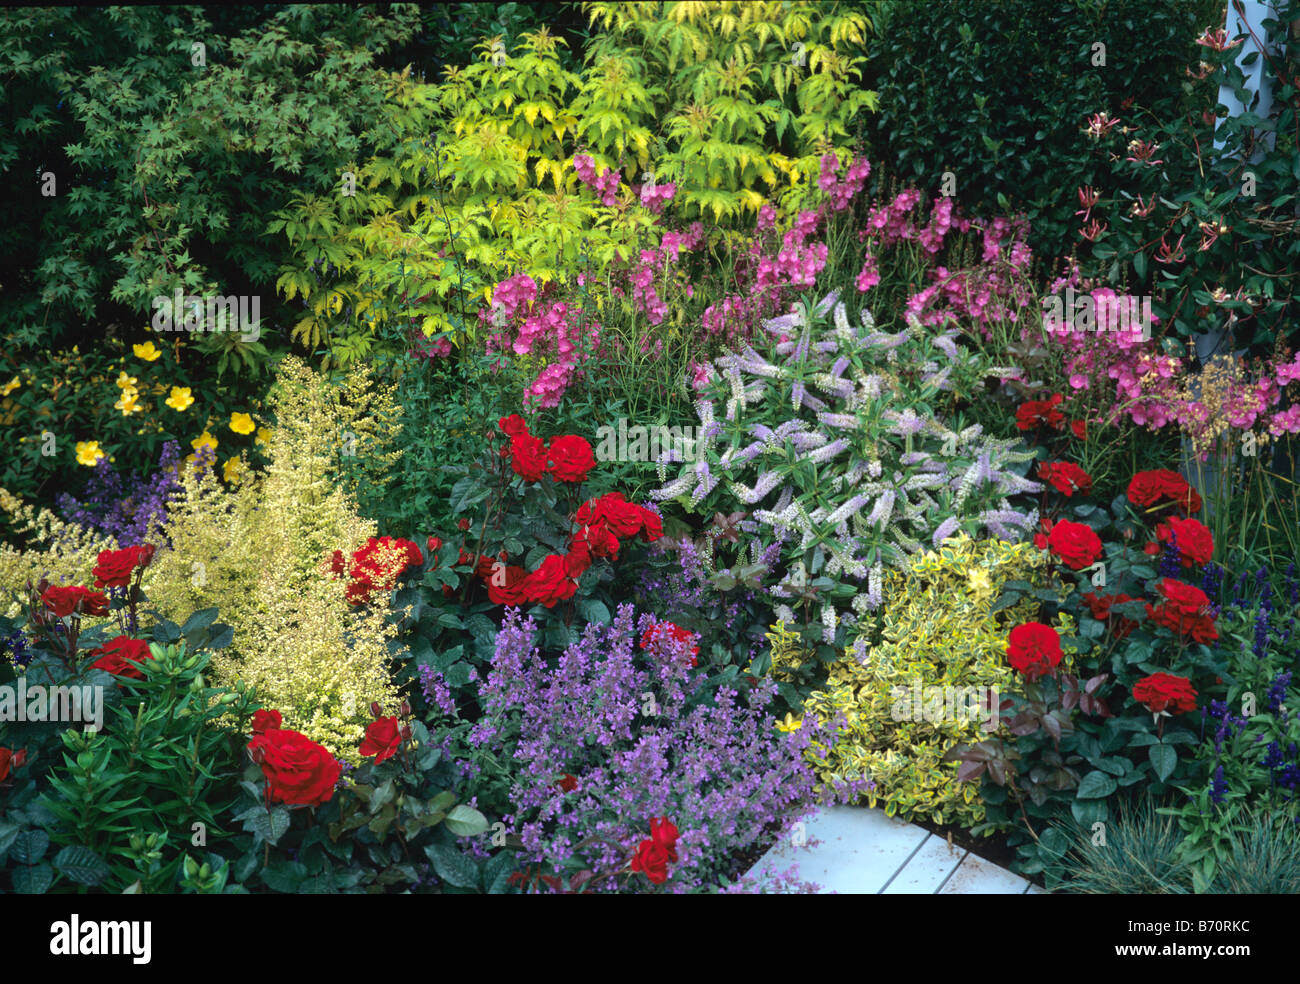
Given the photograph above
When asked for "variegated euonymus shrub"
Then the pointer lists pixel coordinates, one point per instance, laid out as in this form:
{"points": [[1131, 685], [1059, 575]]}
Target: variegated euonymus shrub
{"points": [[832, 439]]}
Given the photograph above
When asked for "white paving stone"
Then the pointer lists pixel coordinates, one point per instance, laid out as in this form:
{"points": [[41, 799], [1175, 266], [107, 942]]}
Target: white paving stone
{"points": [[975, 876], [859, 850], [927, 869]]}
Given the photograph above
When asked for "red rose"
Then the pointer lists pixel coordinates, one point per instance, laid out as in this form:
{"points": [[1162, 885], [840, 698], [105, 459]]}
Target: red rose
{"points": [[462, 525], [1066, 477], [1148, 488], [528, 457], [63, 601], [1080, 429], [1040, 413], [10, 758], [1195, 543], [514, 425], [434, 545], [1165, 692], [511, 592], [1040, 538], [550, 583], [652, 527], [569, 458], [568, 784], [378, 565], [115, 567], [119, 656], [652, 861], [664, 833], [1033, 649], [663, 632], [1076, 544], [298, 771], [338, 564], [1185, 610], [264, 721], [1101, 605], [383, 739]]}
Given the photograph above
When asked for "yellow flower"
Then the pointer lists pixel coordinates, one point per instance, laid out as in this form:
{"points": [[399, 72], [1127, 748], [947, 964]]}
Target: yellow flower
{"points": [[980, 584], [10, 386], [88, 453], [791, 723], [126, 403], [148, 351], [264, 435], [230, 470], [126, 382], [204, 440], [241, 423], [180, 398]]}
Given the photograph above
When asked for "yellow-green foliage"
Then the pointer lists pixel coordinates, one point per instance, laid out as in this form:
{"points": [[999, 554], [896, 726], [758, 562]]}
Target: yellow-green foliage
{"points": [[474, 180], [65, 554], [260, 552], [938, 630]]}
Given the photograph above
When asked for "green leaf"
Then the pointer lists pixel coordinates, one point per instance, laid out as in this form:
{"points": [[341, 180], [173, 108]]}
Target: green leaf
{"points": [[81, 865], [452, 867], [35, 880], [1096, 785], [496, 873], [592, 610], [1164, 758], [465, 821], [30, 846], [266, 825], [199, 620]]}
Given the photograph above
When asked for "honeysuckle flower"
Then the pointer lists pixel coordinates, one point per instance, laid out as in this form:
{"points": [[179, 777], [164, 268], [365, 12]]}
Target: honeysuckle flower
{"points": [[1092, 230], [1217, 40], [9, 387], [148, 351], [242, 423], [1088, 197], [180, 398], [1174, 255], [1141, 152], [1099, 125], [1142, 208], [88, 453]]}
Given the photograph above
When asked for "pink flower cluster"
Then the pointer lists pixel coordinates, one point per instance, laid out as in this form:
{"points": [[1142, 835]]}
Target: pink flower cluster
{"points": [[605, 185], [841, 194], [655, 197]]}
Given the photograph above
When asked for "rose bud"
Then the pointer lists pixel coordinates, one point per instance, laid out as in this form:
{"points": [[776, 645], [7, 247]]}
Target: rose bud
{"points": [[404, 709], [463, 525], [406, 732], [375, 711]]}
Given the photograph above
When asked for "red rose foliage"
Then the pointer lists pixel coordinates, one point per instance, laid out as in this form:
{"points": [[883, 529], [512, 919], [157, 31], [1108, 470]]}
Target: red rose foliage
{"points": [[298, 771]]}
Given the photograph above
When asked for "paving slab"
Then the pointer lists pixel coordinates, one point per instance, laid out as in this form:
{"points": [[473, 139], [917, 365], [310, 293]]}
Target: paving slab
{"points": [[927, 869], [975, 876], [857, 850]]}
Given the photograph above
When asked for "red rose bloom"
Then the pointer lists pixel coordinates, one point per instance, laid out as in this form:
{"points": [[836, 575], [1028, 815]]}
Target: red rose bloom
{"points": [[1195, 543], [115, 567], [569, 783], [119, 657], [1147, 488], [1040, 538], [264, 721], [569, 458], [378, 565], [1033, 649], [298, 771], [63, 601], [338, 564], [1040, 413], [1185, 611], [528, 457], [1075, 543], [383, 739], [1080, 429], [9, 758], [510, 593], [654, 854], [1066, 477], [550, 583], [514, 425], [663, 632], [1101, 605], [434, 545], [1165, 692]]}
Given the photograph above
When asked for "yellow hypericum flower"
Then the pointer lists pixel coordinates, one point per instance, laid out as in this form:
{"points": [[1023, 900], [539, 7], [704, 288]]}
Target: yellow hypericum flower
{"points": [[148, 351], [126, 382], [180, 398], [791, 723], [88, 453], [264, 435], [127, 402], [10, 386], [242, 423], [204, 439], [230, 470]]}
